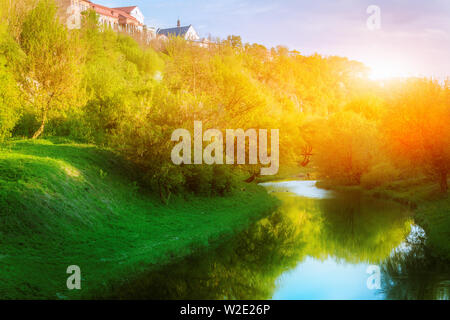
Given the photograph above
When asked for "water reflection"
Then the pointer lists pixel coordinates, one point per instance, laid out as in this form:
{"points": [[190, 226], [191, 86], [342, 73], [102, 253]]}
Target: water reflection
{"points": [[358, 229], [344, 236], [411, 273], [245, 268], [311, 248]]}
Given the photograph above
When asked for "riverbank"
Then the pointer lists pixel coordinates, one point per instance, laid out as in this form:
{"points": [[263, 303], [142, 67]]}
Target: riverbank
{"points": [[290, 173], [431, 208], [71, 204]]}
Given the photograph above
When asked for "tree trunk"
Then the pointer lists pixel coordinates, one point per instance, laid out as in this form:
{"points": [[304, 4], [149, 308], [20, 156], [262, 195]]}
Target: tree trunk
{"points": [[41, 128], [252, 178], [443, 182]]}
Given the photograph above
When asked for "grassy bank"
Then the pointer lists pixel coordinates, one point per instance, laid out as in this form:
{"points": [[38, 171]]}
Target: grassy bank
{"points": [[432, 209], [70, 204]]}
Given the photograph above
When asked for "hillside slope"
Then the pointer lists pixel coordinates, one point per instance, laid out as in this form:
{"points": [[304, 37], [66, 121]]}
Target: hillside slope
{"points": [[69, 204]]}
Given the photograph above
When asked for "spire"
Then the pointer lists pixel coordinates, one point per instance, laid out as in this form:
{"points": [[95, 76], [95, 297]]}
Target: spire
{"points": [[178, 23]]}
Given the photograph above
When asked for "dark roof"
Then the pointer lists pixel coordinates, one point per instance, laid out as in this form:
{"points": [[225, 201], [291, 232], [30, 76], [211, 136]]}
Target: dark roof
{"points": [[175, 32]]}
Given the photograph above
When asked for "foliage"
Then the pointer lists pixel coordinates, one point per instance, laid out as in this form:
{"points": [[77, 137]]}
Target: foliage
{"points": [[346, 148], [51, 71], [379, 174], [417, 127], [10, 96]]}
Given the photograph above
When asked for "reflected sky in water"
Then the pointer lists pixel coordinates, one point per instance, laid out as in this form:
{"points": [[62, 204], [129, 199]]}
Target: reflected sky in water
{"points": [[306, 189], [325, 280]]}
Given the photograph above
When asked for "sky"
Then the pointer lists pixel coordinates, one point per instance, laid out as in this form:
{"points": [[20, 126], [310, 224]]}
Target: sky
{"points": [[413, 38]]}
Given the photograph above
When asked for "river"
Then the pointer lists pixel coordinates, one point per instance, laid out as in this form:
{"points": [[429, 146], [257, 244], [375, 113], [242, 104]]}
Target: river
{"points": [[318, 245]]}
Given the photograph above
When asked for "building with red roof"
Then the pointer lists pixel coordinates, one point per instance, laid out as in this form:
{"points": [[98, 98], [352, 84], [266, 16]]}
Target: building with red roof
{"points": [[126, 19], [133, 11]]}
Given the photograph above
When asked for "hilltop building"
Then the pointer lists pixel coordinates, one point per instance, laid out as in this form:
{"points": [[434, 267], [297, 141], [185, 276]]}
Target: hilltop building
{"points": [[133, 11], [186, 32], [125, 19]]}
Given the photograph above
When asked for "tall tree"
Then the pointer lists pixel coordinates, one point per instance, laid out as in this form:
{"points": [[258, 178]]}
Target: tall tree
{"points": [[51, 74], [418, 130], [9, 90], [346, 147]]}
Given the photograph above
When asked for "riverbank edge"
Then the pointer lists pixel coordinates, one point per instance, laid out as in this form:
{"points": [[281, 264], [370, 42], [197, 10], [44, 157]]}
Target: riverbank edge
{"points": [[431, 209], [34, 262], [198, 246]]}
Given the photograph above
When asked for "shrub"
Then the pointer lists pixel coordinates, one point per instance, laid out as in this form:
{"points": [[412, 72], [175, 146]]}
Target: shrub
{"points": [[26, 125], [347, 146], [10, 98], [9, 103], [379, 174]]}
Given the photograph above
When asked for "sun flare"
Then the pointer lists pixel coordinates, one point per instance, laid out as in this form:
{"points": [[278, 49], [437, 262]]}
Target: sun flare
{"points": [[384, 71]]}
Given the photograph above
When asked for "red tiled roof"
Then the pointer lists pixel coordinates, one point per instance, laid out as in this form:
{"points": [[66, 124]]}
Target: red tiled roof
{"points": [[104, 10], [114, 12], [126, 15], [126, 9]]}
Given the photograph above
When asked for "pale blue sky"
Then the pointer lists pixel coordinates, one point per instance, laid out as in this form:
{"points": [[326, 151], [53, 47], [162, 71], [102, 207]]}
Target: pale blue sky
{"points": [[414, 38]]}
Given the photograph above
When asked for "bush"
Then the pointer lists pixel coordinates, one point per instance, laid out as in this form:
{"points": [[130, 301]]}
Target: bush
{"points": [[26, 125], [378, 175], [9, 103], [347, 148], [199, 179], [147, 60], [223, 180]]}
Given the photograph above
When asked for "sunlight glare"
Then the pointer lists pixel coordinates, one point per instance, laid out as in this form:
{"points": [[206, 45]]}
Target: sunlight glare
{"points": [[384, 71]]}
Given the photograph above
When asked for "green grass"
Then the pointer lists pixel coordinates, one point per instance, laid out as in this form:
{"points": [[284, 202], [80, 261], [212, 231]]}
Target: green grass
{"points": [[431, 207], [71, 204]]}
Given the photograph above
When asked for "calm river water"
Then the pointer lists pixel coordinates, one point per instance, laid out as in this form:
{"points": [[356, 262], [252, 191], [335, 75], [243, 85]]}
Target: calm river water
{"points": [[317, 245]]}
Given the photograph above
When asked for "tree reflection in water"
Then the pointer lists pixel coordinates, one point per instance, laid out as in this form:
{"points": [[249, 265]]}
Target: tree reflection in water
{"points": [[349, 228], [411, 273]]}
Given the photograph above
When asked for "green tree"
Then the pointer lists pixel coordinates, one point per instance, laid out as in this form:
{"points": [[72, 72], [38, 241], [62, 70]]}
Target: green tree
{"points": [[346, 148], [234, 41], [417, 128], [51, 74], [10, 96]]}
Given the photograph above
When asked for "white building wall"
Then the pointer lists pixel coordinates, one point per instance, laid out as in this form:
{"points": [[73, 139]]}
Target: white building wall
{"points": [[138, 15], [191, 34]]}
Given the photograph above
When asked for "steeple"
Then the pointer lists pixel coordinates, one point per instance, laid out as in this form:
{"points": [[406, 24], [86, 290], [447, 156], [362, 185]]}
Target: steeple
{"points": [[178, 23]]}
